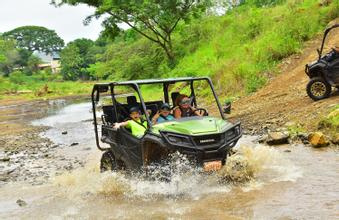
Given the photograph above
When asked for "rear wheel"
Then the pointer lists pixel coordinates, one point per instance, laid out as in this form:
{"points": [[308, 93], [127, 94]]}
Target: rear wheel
{"points": [[108, 162], [317, 89]]}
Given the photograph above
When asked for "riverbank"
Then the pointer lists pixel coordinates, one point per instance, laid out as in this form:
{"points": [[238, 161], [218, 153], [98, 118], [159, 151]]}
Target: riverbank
{"points": [[283, 102]]}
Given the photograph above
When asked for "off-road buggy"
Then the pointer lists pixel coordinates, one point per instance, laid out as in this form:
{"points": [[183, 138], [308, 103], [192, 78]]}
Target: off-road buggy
{"points": [[206, 140], [324, 72]]}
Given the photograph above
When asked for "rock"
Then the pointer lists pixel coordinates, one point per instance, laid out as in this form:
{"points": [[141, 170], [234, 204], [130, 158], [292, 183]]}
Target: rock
{"points": [[64, 132], [318, 139], [73, 144], [4, 178], [303, 137], [5, 159], [287, 151], [276, 138], [335, 139], [21, 202], [87, 148], [262, 139]]}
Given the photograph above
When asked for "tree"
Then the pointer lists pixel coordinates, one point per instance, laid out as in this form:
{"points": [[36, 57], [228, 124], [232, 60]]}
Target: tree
{"points": [[35, 38], [76, 57], [9, 56], [153, 19], [71, 62]]}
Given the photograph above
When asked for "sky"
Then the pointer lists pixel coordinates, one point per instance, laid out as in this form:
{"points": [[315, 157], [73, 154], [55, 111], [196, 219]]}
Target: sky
{"points": [[67, 21]]}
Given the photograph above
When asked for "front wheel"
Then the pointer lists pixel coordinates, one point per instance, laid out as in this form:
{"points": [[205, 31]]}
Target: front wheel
{"points": [[108, 162], [317, 89]]}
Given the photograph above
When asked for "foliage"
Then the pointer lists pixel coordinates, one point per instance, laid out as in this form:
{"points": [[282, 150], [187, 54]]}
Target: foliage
{"points": [[28, 87], [76, 57], [9, 56], [156, 20], [35, 38], [331, 121]]}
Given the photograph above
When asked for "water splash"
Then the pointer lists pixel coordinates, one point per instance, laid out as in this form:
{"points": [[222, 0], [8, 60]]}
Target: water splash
{"points": [[250, 167], [253, 167]]}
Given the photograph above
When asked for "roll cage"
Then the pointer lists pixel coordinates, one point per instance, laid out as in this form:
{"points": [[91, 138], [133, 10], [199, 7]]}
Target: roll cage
{"points": [[135, 84], [324, 39]]}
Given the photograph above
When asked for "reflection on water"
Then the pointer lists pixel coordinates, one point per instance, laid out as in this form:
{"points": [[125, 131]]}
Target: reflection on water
{"points": [[258, 182]]}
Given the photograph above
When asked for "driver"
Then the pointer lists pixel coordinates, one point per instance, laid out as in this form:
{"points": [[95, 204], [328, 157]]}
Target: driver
{"points": [[183, 107], [137, 125], [334, 54]]}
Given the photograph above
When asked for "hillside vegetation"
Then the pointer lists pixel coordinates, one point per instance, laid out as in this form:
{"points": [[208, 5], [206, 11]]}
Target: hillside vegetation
{"points": [[239, 50]]}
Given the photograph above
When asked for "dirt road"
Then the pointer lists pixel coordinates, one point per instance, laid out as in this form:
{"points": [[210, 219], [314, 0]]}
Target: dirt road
{"points": [[284, 99]]}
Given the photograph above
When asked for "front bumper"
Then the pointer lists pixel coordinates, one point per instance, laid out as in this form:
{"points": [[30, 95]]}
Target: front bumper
{"points": [[204, 147]]}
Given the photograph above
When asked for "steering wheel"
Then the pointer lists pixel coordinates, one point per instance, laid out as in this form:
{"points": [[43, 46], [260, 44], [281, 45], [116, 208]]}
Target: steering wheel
{"points": [[201, 111]]}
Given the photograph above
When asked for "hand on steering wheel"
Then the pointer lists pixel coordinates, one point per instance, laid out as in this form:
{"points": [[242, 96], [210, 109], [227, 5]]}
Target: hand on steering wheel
{"points": [[201, 111]]}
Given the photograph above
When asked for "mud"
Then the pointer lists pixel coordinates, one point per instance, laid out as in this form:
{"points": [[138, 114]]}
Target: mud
{"points": [[26, 155]]}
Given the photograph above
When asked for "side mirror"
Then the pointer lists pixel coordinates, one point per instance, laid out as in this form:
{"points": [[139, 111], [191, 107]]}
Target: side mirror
{"points": [[227, 107]]}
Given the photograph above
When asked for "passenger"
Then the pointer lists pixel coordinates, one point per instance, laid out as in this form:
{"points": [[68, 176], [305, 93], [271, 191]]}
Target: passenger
{"points": [[163, 115], [183, 107], [137, 125]]}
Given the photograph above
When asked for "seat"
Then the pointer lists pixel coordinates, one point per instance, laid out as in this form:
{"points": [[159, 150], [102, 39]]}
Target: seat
{"points": [[174, 96], [109, 114], [132, 101]]}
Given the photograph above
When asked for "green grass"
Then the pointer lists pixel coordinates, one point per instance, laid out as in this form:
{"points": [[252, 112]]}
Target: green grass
{"points": [[26, 87], [331, 121], [241, 49]]}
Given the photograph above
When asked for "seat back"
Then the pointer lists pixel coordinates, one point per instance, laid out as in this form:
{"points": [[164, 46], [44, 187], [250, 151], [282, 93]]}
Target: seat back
{"points": [[132, 101], [174, 96], [109, 114]]}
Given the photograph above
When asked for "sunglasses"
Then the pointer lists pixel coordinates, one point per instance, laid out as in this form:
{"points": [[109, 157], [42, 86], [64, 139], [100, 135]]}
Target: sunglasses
{"points": [[186, 101]]}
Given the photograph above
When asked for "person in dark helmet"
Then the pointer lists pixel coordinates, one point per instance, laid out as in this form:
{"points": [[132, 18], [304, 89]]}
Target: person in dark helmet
{"points": [[137, 125], [163, 115], [333, 55]]}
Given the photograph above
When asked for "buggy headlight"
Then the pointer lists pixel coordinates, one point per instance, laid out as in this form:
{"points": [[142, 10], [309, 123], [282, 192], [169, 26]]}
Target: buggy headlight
{"points": [[230, 134], [173, 139]]}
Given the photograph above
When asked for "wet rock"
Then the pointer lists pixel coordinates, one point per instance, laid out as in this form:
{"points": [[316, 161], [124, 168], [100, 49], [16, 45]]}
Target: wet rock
{"points": [[335, 139], [5, 159], [64, 132], [73, 144], [4, 178], [303, 137], [21, 202], [318, 139], [262, 139], [277, 138], [54, 146]]}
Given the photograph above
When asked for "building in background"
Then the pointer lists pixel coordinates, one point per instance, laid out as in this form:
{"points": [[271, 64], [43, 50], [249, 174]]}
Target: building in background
{"points": [[49, 61]]}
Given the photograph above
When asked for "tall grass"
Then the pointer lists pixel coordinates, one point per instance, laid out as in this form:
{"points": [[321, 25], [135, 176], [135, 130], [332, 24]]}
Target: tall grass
{"points": [[240, 49]]}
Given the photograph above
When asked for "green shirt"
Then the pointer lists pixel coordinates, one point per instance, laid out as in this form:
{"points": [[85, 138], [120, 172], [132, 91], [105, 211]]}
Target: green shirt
{"points": [[137, 129]]}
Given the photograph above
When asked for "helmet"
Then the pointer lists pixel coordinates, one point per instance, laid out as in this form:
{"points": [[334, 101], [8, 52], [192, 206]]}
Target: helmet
{"points": [[134, 109], [165, 106]]}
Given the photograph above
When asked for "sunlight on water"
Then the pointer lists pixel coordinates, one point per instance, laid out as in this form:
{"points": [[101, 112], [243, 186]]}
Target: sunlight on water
{"points": [[250, 168]]}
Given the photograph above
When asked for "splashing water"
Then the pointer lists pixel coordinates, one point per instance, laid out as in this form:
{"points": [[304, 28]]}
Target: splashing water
{"points": [[250, 167]]}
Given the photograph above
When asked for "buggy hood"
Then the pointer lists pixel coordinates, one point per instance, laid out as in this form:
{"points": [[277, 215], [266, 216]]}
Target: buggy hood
{"points": [[193, 126]]}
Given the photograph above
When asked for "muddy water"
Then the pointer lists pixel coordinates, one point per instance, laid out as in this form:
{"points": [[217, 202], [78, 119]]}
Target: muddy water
{"points": [[258, 182]]}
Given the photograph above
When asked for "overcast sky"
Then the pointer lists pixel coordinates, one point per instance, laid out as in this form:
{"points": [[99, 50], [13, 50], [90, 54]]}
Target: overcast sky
{"points": [[67, 21]]}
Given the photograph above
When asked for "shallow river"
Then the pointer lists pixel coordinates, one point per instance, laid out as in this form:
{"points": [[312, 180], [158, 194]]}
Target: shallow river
{"points": [[285, 182]]}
